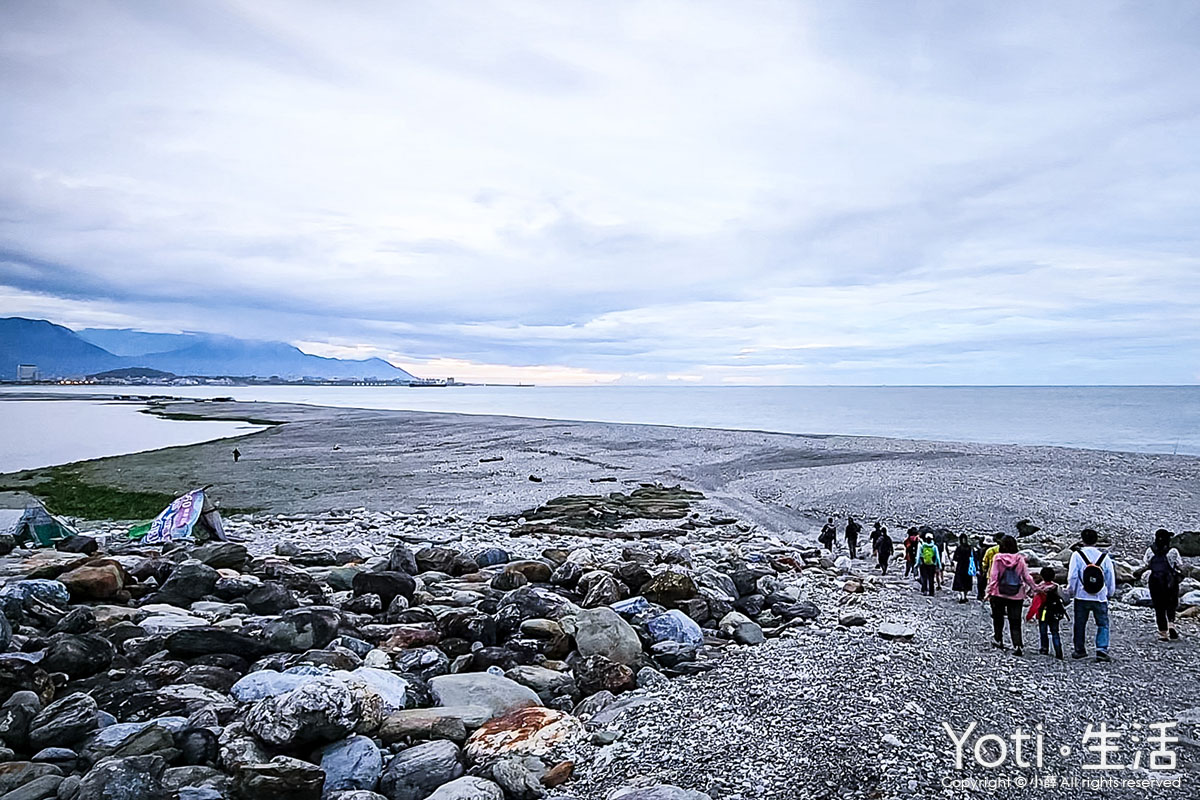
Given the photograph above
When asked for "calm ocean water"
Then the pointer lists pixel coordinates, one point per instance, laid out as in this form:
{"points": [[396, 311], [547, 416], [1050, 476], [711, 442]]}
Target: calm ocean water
{"points": [[1153, 419]]}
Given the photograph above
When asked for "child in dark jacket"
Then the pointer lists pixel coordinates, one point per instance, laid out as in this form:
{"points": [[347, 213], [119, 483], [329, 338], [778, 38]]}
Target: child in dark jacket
{"points": [[1049, 609]]}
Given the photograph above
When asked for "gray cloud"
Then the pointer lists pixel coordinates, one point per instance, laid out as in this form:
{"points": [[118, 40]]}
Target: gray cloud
{"points": [[767, 192]]}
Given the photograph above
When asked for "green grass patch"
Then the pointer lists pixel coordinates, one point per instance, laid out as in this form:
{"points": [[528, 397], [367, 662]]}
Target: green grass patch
{"points": [[64, 492]]}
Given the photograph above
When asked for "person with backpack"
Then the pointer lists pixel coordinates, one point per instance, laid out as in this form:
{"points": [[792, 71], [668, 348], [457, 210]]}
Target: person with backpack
{"points": [[1165, 566], [981, 576], [963, 568], [828, 535], [1007, 591], [911, 540], [883, 549], [1091, 581], [1048, 609], [929, 563], [852, 531]]}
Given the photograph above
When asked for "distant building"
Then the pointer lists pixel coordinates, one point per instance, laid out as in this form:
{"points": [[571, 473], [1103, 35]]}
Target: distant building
{"points": [[27, 373]]}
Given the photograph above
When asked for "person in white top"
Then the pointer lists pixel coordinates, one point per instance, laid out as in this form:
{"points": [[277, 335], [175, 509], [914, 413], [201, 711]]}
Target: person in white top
{"points": [[1165, 566], [1091, 581]]}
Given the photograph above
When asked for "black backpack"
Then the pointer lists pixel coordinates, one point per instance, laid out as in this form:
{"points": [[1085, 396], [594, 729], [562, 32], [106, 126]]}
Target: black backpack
{"points": [[1162, 574], [1092, 579]]}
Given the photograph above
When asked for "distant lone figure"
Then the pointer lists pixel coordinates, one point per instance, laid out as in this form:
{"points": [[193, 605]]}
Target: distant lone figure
{"points": [[237, 455]]}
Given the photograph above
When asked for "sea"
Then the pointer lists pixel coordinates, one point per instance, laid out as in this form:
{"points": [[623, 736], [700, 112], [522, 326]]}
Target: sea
{"points": [[1146, 419]]}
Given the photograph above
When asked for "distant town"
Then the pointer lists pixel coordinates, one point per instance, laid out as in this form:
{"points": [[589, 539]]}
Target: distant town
{"points": [[28, 375]]}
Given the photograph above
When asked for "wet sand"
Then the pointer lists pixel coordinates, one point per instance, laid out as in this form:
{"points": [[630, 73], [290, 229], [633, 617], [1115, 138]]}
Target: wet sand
{"points": [[337, 458]]}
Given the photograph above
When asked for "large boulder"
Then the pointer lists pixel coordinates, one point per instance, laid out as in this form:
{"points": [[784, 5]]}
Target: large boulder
{"points": [[468, 787], [132, 778], [16, 715], [64, 722], [17, 774], [670, 586], [352, 763], [262, 683], [1187, 543], [269, 597], [189, 581], [78, 656], [303, 629], [388, 585], [281, 777], [531, 731], [321, 710], [597, 673], [94, 582], [602, 631], [497, 694], [416, 772], [221, 555], [675, 626], [211, 639]]}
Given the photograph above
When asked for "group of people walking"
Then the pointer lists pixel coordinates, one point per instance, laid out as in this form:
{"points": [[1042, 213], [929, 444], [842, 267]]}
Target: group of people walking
{"points": [[1001, 574]]}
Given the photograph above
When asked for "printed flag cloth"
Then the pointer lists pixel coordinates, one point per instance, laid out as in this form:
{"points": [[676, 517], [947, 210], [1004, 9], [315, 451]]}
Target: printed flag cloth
{"points": [[176, 520]]}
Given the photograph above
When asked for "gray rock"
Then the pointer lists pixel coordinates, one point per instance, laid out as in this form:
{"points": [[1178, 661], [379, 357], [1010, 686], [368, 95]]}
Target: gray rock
{"points": [[675, 626], [15, 774], [517, 780], [894, 631], [352, 763], [497, 694], [64, 722], [602, 631], [263, 683], [281, 777], [322, 710], [16, 714], [417, 771], [740, 628], [37, 789], [468, 788], [133, 778]]}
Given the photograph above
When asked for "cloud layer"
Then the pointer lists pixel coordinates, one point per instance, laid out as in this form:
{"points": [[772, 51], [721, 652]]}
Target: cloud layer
{"points": [[654, 191]]}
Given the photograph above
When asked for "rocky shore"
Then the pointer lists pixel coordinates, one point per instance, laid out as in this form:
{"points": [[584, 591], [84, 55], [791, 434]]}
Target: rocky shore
{"points": [[581, 636]]}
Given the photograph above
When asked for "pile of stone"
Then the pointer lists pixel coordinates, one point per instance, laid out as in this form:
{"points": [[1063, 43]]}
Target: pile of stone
{"points": [[203, 673]]}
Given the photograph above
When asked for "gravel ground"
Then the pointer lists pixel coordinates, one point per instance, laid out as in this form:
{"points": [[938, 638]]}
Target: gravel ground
{"points": [[807, 715]]}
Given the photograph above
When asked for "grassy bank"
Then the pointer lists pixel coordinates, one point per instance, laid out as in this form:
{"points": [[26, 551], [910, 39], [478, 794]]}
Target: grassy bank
{"points": [[65, 492]]}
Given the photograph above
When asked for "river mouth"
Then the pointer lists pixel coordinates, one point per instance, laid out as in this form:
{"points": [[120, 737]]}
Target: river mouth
{"points": [[39, 433]]}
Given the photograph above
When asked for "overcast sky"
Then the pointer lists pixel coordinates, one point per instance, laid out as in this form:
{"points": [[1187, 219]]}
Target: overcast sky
{"points": [[726, 192]]}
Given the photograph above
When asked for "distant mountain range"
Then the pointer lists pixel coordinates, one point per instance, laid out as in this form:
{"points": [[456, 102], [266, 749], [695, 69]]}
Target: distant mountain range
{"points": [[60, 352]]}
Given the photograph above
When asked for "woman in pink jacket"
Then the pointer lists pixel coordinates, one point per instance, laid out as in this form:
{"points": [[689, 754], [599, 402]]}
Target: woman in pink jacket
{"points": [[1009, 583]]}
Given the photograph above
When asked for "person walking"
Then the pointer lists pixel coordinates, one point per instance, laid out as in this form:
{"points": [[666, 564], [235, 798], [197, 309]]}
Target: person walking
{"points": [[1048, 609], [876, 531], [1165, 566], [1091, 581], [910, 552], [883, 550], [929, 563], [964, 562], [981, 576], [1007, 590], [852, 531], [237, 455], [828, 535]]}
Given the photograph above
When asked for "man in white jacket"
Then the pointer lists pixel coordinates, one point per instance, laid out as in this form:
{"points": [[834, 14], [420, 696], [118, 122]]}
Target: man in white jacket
{"points": [[1091, 581]]}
